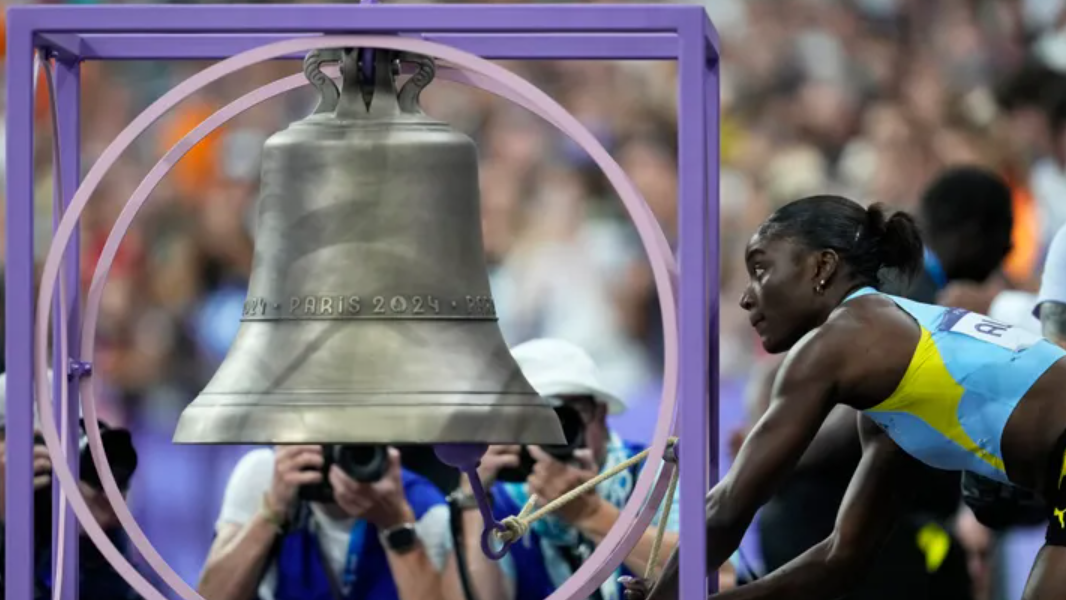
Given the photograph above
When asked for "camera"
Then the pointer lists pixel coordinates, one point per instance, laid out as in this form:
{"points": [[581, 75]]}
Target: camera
{"points": [[118, 447], [365, 463], [121, 455], [573, 429]]}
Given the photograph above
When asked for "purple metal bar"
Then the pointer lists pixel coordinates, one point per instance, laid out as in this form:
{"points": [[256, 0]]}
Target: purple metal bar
{"points": [[18, 514], [68, 140], [589, 46], [367, 59], [693, 263], [64, 46], [346, 18], [713, 276], [61, 27]]}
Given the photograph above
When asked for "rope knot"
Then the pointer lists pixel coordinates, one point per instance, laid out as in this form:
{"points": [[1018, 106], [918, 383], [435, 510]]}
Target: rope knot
{"points": [[514, 529]]}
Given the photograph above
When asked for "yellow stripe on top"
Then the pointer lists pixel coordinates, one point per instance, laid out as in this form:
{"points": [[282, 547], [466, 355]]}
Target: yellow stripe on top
{"points": [[930, 393]]}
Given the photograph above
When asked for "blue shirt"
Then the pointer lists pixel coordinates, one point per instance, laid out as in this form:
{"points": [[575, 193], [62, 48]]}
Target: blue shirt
{"points": [[302, 571]]}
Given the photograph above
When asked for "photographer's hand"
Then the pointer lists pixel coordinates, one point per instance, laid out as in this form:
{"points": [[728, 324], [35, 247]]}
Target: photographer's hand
{"points": [[552, 478], [495, 460], [100, 506], [381, 503], [42, 466], [589, 513], [294, 466]]}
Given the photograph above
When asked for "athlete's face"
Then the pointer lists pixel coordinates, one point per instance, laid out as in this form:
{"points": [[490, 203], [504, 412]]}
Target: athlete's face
{"points": [[780, 298]]}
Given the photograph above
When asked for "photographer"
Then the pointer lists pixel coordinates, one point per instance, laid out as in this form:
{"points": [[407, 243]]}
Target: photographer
{"points": [[556, 546], [296, 525], [97, 579]]}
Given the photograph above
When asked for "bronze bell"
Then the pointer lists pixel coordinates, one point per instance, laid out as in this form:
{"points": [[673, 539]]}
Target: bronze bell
{"points": [[369, 317]]}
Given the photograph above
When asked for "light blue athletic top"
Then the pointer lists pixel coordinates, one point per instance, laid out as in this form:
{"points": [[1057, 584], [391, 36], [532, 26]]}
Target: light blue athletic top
{"points": [[967, 374]]}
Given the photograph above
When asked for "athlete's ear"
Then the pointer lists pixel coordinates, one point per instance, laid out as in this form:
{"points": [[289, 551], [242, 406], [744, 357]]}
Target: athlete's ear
{"points": [[826, 264]]}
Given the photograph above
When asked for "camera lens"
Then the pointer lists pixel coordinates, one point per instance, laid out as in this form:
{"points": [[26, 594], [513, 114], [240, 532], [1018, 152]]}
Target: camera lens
{"points": [[121, 455], [574, 431], [365, 463]]}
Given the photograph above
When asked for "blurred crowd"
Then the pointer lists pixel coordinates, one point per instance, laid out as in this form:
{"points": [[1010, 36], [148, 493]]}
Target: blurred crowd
{"points": [[869, 99], [866, 98]]}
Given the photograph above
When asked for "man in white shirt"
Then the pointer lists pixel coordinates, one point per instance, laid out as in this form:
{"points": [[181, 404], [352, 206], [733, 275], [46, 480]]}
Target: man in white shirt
{"points": [[383, 540]]}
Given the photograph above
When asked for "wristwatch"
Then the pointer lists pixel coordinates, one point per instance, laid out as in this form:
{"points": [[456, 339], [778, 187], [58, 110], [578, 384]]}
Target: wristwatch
{"points": [[400, 539], [460, 500]]}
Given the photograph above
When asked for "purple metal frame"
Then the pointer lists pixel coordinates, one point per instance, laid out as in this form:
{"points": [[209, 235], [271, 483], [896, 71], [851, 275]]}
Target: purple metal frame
{"points": [[168, 32]]}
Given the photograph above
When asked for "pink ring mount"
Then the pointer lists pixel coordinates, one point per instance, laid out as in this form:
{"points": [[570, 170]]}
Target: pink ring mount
{"points": [[476, 71]]}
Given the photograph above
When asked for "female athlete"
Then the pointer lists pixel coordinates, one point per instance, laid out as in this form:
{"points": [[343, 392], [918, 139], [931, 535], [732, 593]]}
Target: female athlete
{"points": [[935, 387]]}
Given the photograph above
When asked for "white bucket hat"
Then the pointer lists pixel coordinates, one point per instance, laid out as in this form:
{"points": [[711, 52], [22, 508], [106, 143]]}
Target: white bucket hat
{"points": [[558, 368]]}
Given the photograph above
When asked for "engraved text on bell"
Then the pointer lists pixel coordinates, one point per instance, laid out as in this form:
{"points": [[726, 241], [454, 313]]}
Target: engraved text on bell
{"points": [[345, 306]]}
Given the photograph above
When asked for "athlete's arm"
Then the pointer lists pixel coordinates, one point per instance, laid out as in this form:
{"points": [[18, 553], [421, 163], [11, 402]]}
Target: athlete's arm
{"points": [[802, 397], [837, 444], [877, 495]]}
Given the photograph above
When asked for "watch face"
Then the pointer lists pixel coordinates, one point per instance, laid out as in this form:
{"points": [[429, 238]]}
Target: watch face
{"points": [[401, 539]]}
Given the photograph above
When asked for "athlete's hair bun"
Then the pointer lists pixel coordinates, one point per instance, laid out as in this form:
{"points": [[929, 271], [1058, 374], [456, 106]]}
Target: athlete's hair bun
{"points": [[897, 239]]}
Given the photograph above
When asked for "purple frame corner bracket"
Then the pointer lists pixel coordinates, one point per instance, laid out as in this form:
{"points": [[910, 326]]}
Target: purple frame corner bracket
{"points": [[464, 37]]}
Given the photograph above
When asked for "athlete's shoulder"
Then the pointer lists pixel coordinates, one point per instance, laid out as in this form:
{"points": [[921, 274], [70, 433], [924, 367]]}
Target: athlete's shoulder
{"points": [[857, 323], [861, 341], [820, 352]]}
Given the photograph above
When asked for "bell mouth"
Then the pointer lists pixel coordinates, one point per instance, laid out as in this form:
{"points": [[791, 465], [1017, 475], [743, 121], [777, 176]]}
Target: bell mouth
{"points": [[370, 419]]}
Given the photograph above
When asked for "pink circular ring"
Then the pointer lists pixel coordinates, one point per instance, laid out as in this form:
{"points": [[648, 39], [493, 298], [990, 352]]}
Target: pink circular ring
{"points": [[646, 226]]}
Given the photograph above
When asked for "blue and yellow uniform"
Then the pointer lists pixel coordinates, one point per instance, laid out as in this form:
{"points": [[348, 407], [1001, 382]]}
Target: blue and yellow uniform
{"points": [[967, 375]]}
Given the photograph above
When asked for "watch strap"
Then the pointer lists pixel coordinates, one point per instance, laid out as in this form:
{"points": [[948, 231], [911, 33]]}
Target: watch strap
{"points": [[460, 500]]}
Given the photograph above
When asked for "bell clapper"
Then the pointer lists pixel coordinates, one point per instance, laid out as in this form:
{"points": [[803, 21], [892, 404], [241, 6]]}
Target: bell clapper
{"points": [[466, 458]]}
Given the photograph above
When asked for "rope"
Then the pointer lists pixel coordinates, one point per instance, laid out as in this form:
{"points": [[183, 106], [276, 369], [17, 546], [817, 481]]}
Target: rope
{"points": [[517, 526], [653, 560]]}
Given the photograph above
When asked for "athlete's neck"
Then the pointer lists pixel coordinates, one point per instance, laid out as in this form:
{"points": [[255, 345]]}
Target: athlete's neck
{"points": [[847, 291], [834, 297]]}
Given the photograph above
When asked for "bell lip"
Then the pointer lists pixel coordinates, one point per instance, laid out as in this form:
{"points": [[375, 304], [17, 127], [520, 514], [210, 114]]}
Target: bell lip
{"points": [[526, 423]]}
